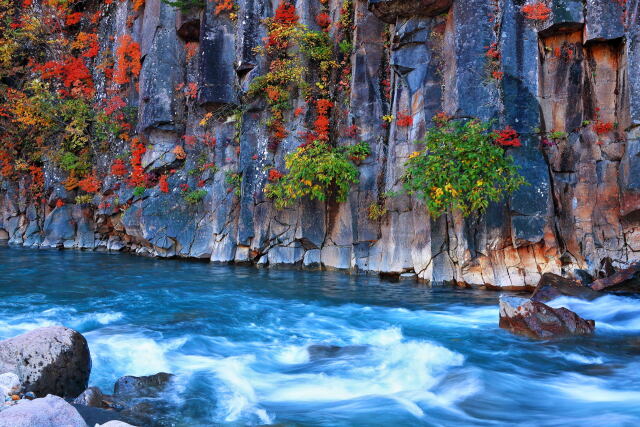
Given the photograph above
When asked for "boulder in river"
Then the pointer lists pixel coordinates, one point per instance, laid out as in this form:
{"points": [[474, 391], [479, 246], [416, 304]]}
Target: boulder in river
{"points": [[537, 320], [142, 399], [141, 386], [52, 360], [624, 281], [49, 411], [90, 397], [318, 351], [552, 286]]}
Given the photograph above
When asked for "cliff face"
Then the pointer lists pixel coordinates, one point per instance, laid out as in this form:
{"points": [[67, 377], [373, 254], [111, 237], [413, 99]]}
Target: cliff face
{"points": [[567, 84]]}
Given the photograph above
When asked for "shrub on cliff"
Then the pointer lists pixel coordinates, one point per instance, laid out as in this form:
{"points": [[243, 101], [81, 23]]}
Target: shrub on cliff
{"points": [[185, 5], [319, 171], [462, 166]]}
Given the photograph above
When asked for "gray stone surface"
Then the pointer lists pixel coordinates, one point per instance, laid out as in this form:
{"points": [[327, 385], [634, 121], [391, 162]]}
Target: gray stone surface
{"points": [[92, 396], [49, 411], [50, 360]]}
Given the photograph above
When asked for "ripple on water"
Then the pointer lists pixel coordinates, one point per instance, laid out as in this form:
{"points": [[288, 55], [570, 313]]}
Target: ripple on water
{"points": [[237, 341]]}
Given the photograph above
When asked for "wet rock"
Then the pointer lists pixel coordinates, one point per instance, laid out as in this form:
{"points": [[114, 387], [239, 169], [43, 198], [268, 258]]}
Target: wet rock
{"points": [[51, 360], [90, 397], [59, 226], [317, 351], [627, 280], [95, 416], [537, 320], [141, 386], [114, 423], [141, 398], [9, 384], [553, 286], [50, 411]]}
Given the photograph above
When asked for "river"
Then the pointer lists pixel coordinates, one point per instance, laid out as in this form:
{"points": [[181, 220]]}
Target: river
{"points": [[237, 339]]}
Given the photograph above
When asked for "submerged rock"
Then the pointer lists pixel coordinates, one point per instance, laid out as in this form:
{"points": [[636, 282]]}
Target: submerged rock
{"points": [[318, 351], [553, 286], [537, 320], [142, 399], [627, 280], [52, 360], [50, 411], [141, 386]]}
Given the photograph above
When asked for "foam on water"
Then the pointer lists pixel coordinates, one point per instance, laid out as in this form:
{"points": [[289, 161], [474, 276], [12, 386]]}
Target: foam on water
{"points": [[611, 312], [394, 354]]}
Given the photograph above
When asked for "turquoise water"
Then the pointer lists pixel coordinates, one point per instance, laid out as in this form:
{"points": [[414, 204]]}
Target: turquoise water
{"points": [[236, 338]]}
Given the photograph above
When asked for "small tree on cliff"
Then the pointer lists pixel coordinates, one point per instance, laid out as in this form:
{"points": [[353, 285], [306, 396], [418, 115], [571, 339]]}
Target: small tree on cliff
{"points": [[462, 166]]}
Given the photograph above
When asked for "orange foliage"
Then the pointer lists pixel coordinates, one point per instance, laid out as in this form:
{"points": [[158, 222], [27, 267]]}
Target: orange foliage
{"points": [[224, 6], [286, 14], [404, 120], [128, 54], [163, 184], [537, 11], [179, 152], [323, 20], [90, 184], [191, 48], [73, 73], [118, 168], [601, 127], [138, 149], [73, 18]]}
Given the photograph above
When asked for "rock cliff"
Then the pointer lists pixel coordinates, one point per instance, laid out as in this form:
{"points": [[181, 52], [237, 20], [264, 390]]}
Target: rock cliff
{"points": [[566, 82]]}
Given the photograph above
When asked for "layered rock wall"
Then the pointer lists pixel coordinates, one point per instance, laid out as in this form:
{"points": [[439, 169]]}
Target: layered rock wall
{"points": [[554, 81]]}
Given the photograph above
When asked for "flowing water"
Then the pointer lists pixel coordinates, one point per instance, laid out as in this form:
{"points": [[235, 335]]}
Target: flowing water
{"points": [[237, 338]]}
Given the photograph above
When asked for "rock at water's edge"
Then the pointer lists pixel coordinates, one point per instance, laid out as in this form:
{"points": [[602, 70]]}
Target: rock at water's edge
{"points": [[552, 286], [627, 280], [9, 384], [50, 411], [52, 360], [537, 320], [90, 397]]}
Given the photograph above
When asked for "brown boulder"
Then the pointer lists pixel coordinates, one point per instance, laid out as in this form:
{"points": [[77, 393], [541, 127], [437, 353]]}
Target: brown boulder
{"points": [[553, 286], [627, 280], [537, 320]]}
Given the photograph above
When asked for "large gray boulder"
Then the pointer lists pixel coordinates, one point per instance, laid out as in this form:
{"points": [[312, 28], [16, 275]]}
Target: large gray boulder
{"points": [[50, 411], [537, 320], [51, 360]]}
